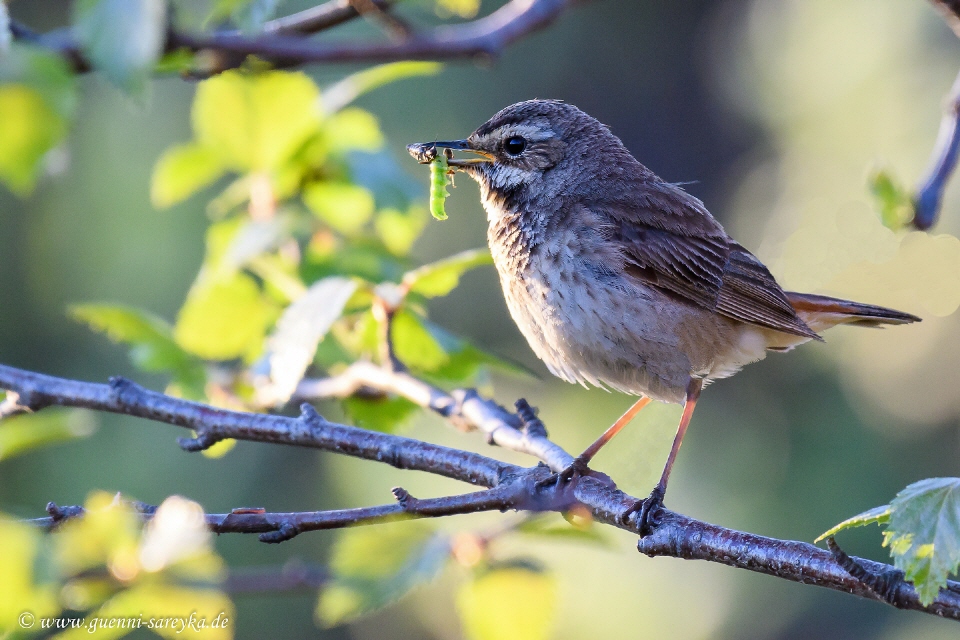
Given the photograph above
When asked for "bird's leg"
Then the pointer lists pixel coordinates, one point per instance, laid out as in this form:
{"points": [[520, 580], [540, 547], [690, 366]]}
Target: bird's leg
{"points": [[580, 463], [648, 509]]}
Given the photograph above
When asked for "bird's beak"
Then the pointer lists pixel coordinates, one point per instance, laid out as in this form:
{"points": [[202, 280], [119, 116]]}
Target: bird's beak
{"points": [[425, 152]]}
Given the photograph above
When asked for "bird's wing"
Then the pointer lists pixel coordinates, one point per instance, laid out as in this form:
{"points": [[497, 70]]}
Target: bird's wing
{"points": [[670, 241]]}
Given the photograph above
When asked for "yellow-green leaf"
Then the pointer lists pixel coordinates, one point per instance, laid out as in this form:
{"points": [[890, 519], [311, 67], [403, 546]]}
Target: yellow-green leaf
{"points": [[29, 128], [511, 603], [441, 277], [460, 8], [877, 515], [399, 230], [256, 122], [352, 129], [23, 433], [20, 588], [414, 344], [345, 207], [181, 171], [223, 318]]}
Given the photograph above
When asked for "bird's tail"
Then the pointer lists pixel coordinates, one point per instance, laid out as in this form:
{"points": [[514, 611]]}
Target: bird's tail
{"points": [[823, 312]]}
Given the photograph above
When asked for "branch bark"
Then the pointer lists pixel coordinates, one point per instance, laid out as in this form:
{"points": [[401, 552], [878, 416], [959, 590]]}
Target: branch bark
{"points": [[512, 487]]}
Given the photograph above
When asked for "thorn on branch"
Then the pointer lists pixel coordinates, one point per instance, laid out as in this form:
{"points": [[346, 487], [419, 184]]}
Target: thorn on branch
{"points": [[405, 500], [532, 425], [285, 532], [886, 584], [204, 440]]}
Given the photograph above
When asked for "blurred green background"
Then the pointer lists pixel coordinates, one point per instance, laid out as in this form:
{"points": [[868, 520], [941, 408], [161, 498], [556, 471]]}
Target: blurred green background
{"points": [[773, 111]]}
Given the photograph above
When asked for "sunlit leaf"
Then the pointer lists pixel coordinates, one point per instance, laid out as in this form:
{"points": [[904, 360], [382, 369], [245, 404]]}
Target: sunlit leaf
{"points": [[181, 171], [924, 533], [107, 535], [223, 318], [177, 539], [441, 277], [122, 38], [344, 206], [510, 603], [28, 129], [460, 8], [375, 566], [414, 344], [339, 95], [352, 130], [21, 589], [299, 330], [380, 414], [151, 339], [877, 515], [26, 432], [256, 122], [399, 230], [892, 200]]}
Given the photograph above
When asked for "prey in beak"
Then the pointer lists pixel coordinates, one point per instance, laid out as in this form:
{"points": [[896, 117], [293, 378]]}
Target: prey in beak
{"points": [[426, 152]]}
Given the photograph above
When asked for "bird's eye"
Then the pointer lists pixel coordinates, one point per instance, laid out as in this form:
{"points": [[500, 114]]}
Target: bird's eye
{"points": [[514, 145]]}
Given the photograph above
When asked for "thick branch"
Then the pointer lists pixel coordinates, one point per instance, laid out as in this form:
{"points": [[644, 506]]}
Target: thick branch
{"points": [[514, 488], [466, 408]]}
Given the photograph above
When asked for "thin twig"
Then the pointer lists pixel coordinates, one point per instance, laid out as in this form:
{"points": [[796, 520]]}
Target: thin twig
{"points": [[291, 576], [929, 196], [465, 407]]}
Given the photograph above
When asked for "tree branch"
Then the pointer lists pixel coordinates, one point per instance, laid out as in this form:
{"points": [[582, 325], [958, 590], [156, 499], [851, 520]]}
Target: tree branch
{"points": [[464, 407], [513, 487], [946, 150]]}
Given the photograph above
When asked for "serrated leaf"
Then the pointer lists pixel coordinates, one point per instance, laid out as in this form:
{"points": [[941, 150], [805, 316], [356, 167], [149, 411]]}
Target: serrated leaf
{"points": [[122, 38], [380, 414], [223, 318], [339, 95], [293, 343], [151, 339], [344, 206], [414, 344], [256, 122], [877, 515], [375, 566], [924, 534], [441, 277], [181, 171], [26, 432], [510, 603]]}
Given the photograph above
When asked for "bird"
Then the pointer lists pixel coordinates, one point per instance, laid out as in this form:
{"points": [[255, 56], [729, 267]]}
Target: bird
{"points": [[621, 280]]}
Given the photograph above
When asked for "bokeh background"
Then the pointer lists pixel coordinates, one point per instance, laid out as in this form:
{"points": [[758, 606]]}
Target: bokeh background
{"points": [[774, 112]]}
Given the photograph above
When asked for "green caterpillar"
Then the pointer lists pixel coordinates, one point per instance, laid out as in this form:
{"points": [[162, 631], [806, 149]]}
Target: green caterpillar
{"points": [[440, 175]]}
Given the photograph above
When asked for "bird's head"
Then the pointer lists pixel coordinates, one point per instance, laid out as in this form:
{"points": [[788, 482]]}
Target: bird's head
{"points": [[521, 144]]}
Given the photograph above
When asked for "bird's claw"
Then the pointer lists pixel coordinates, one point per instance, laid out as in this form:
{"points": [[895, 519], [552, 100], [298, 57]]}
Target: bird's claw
{"points": [[648, 512]]}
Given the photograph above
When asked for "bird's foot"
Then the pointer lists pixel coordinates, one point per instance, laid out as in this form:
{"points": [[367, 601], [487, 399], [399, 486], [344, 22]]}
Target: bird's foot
{"points": [[579, 467], [648, 512]]}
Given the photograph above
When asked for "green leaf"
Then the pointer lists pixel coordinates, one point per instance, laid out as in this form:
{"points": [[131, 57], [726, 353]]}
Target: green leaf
{"points": [[441, 277], [414, 344], [344, 206], [924, 534], [256, 122], [154, 348], [223, 318], [562, 531], [293, 343], [510, 603], [122, 38], [376, 566], [23, 433], [460, 8], [877, 515], [380, 414], [339, 95], [352, 129], [892, 200], [181, 171], [21, 589], [399, 230]]}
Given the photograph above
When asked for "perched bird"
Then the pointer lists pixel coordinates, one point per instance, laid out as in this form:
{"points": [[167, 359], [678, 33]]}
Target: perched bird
{"points": [[619, 279]]}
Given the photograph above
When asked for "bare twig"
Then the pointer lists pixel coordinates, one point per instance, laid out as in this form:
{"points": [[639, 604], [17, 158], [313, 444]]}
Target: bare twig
{"points": [[465, 407], [513, 488], [946, 150]]}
